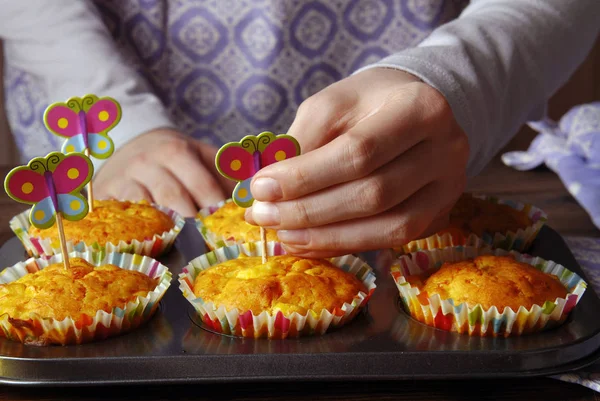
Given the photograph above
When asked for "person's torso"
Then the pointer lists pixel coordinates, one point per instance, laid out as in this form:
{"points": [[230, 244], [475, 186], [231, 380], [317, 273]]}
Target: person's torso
{"points": [[228, 68]]}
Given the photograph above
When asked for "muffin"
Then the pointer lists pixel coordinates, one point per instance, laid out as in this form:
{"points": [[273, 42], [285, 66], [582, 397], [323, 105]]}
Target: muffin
{"points": [[235, 293], [498, 281], [42, 303], [482, 221], [480, 292], [284, 283], [224, 224], [112, 226]]}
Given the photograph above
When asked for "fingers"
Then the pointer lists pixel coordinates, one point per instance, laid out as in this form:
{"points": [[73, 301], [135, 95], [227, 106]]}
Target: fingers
{"points": [[393, 228], [163, 166], [164, 188], [182, 159], [124, 189], [373, 142], [380, 191], [132, 191]]}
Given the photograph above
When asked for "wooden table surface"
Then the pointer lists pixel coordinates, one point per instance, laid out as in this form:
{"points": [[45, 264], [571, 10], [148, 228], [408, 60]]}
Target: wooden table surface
{"points": [[541, 188]]}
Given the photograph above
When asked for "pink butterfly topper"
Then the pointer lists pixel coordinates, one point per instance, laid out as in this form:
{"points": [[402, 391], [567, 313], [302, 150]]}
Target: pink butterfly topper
{"points": [[240, 161], [85, 123], [51, 184]]}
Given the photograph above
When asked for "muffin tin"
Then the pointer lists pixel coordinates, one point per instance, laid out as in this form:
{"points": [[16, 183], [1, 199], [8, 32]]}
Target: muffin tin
{"points": [[382, 343]]}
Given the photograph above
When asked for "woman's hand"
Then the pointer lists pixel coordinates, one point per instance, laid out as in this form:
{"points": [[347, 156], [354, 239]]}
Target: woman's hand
{"points": [[383, 162], [167, 168]]}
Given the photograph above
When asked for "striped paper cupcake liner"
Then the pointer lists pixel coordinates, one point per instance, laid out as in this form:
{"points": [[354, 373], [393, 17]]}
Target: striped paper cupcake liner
{"points": [[44, 247], [519, 241], [214, 240], [38, 330], [474, 319], [278, 325]]}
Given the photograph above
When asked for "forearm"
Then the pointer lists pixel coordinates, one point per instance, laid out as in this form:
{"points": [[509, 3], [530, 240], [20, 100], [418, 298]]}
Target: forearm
{"points": [[67, 47], [499, 63]]}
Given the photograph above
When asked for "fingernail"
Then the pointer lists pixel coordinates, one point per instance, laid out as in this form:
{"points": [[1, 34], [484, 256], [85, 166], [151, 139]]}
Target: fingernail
{"points": [[296, 237], [291, 250], [265, 214], [266, 189]]}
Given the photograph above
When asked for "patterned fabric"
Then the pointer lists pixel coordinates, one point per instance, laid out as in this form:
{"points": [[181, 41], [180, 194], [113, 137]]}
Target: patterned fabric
{"points": [[228, 68], [571, 148], [587, 253]]}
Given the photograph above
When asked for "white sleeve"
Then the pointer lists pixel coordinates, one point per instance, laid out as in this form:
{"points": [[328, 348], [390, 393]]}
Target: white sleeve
{"points": [[65, 44], [500, 62]]}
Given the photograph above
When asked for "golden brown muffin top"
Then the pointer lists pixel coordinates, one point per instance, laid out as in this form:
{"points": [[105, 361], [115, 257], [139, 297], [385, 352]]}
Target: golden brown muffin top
{"points": [[498, 281], [55, 292], [112, 221], [285, 283], [228, 221], [479, 216]]}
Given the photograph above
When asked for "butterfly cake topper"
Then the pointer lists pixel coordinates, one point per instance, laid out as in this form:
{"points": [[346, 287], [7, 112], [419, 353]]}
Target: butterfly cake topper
{"points": [[240, 161], [52, 185], [85, 122]]}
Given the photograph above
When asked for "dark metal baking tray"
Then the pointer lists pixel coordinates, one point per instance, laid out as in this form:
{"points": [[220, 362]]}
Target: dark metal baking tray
{"points": [[381, 343]]}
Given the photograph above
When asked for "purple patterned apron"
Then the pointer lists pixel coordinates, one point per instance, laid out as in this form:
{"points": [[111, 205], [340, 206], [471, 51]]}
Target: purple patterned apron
{"points": [[229, 68]]}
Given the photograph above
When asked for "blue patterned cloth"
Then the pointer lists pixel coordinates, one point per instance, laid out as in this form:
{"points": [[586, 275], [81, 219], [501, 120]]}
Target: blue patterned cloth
{"points": [[587, 253], [571, 148], [228, 68]]}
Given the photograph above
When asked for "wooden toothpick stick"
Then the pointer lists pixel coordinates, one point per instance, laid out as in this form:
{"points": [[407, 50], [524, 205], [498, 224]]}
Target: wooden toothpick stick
{"points": [[263, 238], [63, 241], [90, 191]]}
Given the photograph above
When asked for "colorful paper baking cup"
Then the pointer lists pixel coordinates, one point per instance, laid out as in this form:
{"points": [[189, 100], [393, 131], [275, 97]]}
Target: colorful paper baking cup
{"points": [[215, 240], [473, 319], [519, 240], [158, 245], [38, 330], [266, 325]]}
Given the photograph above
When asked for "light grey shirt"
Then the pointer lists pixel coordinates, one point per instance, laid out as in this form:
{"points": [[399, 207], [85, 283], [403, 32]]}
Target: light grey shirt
{"points": [[497, 64]]}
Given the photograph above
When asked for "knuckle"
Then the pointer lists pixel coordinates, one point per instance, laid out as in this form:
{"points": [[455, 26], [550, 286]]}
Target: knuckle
{"points": [[403, 230], [140, 160], [175, 148], [330, 239], [373, 195], [324, 104], [298, 179], [169, 193], [308, 106], [315, 103], [301, 215], [360, 152], [323, 239]]}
